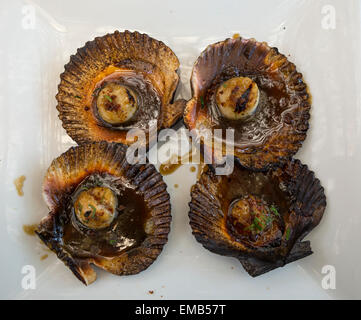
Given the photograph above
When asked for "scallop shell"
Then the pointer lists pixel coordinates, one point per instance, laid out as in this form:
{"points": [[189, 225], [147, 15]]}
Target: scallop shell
{"points": [[247, 57], [102, 57], [208, 217], [72, 167]]}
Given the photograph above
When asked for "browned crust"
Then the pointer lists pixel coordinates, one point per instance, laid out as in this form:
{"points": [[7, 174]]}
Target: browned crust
{"points": [[307, 208], [258, 56], [101, 57], [68, 170]]}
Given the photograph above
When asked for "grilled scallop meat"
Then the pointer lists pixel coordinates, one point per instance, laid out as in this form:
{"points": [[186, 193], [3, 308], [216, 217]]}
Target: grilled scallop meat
{"points": [[260, 218], [116, 83], [247, 86], [104, 211]]}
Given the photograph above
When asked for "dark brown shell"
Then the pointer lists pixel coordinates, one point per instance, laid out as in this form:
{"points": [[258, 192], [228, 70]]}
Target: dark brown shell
{"points": [[247, 57], [208, 217], [102, 57], [72, 167]]}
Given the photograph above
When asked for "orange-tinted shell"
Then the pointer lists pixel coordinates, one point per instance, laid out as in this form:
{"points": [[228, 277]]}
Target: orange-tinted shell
{"points": [[105, 56], [302, 212], [249, 58], [72, 167]]}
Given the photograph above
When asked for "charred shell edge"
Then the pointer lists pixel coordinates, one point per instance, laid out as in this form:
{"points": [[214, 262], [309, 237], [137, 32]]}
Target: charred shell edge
{"points": [[309, 203], [107, 157], [277, 149], [94, 57], [173, 113]]}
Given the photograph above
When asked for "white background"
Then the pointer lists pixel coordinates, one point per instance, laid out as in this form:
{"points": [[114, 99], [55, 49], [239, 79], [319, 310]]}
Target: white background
{"points": [[31, 136]]}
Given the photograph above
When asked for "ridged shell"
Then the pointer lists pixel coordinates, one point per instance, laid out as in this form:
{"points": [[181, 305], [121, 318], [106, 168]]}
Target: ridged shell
{"points": [[62, 178], [308, 203], [101, 57], [250, 57]]}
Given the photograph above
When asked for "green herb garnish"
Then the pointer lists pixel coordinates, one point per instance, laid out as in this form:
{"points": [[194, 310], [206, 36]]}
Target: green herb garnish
{"points": [[275, 211], [288, 233], [269, 220], [224, 85], [258, 224], [251, 227], [202, 102], [80, 207], [78, 97], [108, 98], [94, 210], [112, 242]]}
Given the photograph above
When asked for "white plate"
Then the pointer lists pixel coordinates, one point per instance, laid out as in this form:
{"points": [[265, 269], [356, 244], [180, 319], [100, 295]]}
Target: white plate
{"points": [[37, 40]]}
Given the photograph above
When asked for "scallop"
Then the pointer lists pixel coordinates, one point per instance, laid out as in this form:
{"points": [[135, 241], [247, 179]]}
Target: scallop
{"points": [[259, 218], [248, 87], [116, 83], [104, 211]]}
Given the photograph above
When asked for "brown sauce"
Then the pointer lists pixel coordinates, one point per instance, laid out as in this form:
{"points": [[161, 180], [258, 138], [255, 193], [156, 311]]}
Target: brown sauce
{"points": [[258, 184], [173, 164], [274, 102], [30, 229], [166, 169], [126, 232], [201, 167], [200, 170], [43, 257], [19, 183]]}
